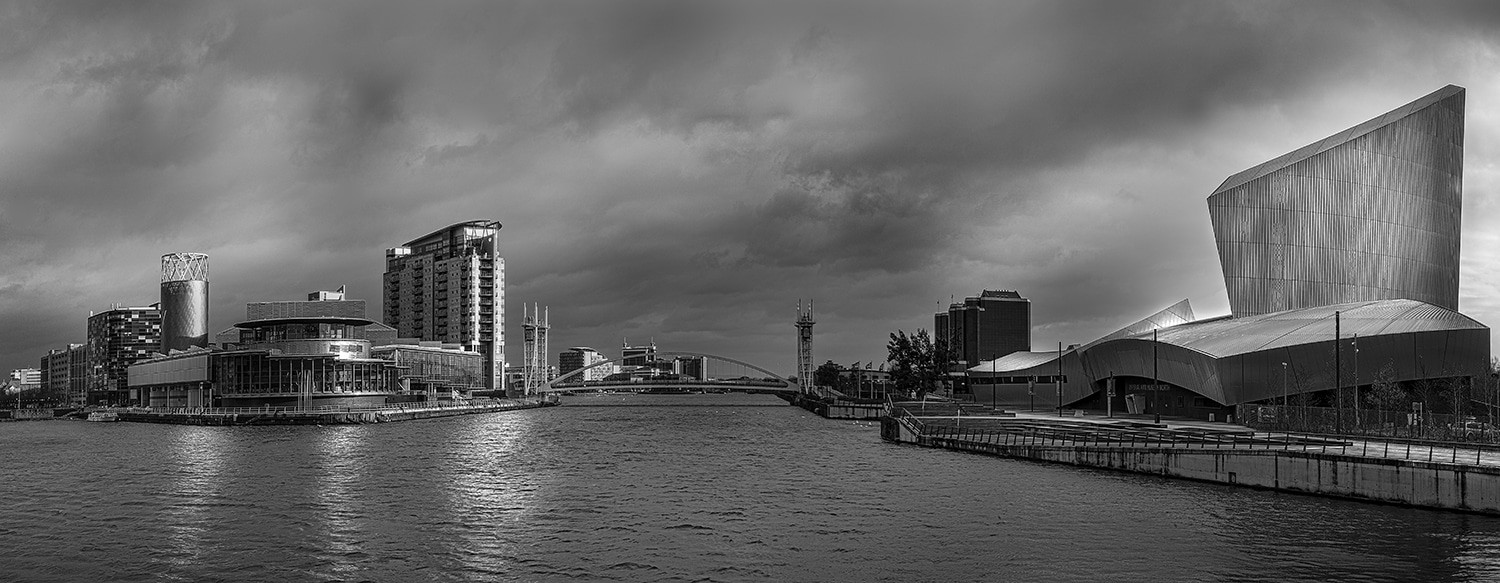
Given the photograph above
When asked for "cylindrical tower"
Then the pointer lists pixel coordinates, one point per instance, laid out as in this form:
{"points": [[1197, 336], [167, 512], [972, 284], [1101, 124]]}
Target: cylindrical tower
{"points": [[184, 301]]}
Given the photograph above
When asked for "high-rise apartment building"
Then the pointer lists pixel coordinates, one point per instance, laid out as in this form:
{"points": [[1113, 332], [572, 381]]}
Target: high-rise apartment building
{"points": [[582, 356], [449, 286], [985, 327], [63, 371], [691, 367], [118, 337]]}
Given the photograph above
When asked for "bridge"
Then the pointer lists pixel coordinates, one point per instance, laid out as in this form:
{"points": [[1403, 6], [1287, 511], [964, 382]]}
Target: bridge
{"points": [[769, 383]]}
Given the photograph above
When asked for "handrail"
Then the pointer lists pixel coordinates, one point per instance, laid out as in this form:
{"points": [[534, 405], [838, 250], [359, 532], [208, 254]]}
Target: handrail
{"points": [[414, 406]]}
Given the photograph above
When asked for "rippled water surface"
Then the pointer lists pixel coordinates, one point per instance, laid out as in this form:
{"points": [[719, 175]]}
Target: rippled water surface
{"points": [[707, 488]]}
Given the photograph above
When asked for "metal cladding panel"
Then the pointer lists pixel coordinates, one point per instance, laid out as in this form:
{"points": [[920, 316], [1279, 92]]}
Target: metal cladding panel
{"points": [[1144, 359], [1407, 356], [184, 314], [1370, 213], [1173, 315], [1238, 360], [1018, 362], [1231, 336]]}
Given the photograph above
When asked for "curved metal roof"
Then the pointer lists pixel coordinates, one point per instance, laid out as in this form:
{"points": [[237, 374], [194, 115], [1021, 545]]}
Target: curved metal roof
{"points": [[251, 324], [1015, 361], [1231, 336]]}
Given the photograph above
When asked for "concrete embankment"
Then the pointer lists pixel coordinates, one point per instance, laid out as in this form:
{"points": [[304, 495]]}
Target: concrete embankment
{"points": [[27, 414], [840, 409], [1290, 463], [327, 416]]}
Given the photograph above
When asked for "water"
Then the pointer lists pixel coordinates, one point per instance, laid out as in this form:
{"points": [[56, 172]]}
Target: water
{"points": [[717, 492]]}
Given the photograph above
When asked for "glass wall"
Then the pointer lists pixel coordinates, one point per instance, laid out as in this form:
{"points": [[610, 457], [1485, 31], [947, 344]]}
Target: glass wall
{"points": [[303, 331], [260, 373]]}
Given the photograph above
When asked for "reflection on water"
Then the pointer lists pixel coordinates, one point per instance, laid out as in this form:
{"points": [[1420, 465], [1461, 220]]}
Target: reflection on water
{"points": [[196, 457], [338, 474], [487, 494], [660, 493]]}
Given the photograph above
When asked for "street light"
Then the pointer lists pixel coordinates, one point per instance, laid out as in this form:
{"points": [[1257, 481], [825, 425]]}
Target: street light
{"points": [[1338, 377], [1059, 379], [1356, 380], [1155, 379], [1283, 387], [994, 387]]}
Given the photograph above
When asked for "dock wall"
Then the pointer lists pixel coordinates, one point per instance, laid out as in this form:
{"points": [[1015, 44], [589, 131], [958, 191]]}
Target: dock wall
{"points": [[841, 409], [325, 417], [1401, 481]]}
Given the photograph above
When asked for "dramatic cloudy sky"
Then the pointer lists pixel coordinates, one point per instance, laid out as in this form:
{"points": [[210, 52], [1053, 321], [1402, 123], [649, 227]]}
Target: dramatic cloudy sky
{"points": [[688, 170]]}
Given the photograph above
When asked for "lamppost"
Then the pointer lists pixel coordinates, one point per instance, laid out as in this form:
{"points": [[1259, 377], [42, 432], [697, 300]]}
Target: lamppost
{"points": [[1356, 380], [1283, 387], [1059, 379], [993, 385], [1338, 377], [1155, 379]]}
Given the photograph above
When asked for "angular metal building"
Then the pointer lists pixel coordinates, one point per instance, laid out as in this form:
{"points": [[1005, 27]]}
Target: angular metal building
{"points": [[1369, 213], [1341, 263]]}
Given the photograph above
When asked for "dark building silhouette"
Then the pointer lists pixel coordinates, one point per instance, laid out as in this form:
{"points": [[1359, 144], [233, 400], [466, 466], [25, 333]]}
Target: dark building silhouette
{"points": [[985, 327]]}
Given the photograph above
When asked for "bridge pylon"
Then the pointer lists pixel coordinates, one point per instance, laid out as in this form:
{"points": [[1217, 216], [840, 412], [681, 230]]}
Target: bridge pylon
{"points": [[534, 327], [804, 347]]}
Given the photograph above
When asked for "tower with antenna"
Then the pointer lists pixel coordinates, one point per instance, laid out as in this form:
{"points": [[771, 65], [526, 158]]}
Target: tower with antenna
{"points": [[534, 358], [804, 346]]}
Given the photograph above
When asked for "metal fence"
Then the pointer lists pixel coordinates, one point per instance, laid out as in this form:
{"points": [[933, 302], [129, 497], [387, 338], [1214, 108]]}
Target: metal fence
{"points": [[1370, 423], [1421, 442]]}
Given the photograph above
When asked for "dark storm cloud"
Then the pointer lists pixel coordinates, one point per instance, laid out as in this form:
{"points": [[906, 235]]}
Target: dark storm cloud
{"points": [[681, 169]]}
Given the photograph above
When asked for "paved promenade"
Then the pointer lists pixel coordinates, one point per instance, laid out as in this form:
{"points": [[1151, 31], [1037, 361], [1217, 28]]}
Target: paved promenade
{"points": [[978, 422]]}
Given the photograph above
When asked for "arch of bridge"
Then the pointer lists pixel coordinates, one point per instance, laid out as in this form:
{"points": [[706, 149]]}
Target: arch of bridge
{"points": [[550, 386]]}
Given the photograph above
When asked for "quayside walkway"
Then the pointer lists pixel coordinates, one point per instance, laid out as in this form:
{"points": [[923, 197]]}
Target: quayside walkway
{"points": [[1459, 476], [325, 415]]}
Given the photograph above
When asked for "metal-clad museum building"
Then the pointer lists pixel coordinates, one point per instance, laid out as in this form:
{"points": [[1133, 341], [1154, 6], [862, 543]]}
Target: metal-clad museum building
{"points": [[1365, 224]]}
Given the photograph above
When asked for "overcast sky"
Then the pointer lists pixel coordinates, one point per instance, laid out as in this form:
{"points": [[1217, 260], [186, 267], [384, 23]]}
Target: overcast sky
{"points": [[688, 170]]}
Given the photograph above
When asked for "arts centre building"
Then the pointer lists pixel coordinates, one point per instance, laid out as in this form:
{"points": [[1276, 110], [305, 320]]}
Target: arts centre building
{"points": [[1341, 264]]}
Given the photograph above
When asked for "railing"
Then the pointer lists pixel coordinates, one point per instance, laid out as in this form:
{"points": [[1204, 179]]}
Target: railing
{"points": [[958, 430], [591, 385], [1370, 423], [267, 410]]}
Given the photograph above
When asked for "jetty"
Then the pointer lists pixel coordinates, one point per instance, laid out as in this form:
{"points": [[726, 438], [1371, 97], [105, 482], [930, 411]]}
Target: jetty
{"points": [[1422, 473]]}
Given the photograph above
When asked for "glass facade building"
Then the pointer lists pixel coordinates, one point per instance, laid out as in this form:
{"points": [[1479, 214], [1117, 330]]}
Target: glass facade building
{"points": [[116, 338], [434, 370], [303, 362]]}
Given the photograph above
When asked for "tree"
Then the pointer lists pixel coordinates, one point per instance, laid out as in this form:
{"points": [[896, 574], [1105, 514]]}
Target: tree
{"points": [[827, 374], [1385, 392], [917, 363]]}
